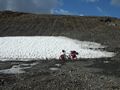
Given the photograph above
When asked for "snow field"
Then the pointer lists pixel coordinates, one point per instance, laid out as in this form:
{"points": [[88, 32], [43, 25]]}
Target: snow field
{"points": [[42, 47]]}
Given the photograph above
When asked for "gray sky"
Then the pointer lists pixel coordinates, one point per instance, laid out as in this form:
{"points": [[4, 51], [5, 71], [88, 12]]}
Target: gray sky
{"points": [[65, 7], [37, 6]]}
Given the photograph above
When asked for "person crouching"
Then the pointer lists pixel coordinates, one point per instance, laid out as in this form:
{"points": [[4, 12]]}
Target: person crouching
{"points": [[73, 55], [63, 56]]}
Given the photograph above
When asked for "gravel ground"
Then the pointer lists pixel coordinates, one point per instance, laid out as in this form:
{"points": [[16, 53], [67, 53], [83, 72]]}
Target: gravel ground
{"points": [[89, 74]]}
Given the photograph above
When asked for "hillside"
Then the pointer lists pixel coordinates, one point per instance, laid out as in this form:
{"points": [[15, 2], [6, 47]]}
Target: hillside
{"points": [[31, 63], [87, 28]]}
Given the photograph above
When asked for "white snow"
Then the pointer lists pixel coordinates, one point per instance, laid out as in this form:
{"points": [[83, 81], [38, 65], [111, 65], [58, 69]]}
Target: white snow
{"points": [[54, 68], [42, 47], [58, 65], [17, 69]]}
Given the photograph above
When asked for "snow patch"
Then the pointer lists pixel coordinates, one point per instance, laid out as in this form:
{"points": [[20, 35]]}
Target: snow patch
{"points": [[42, 47], [58, 65], [54, 69], [17, 69]]}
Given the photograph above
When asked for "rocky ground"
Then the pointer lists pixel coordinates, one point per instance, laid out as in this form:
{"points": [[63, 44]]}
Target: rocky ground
{"points": [[83, 74]]}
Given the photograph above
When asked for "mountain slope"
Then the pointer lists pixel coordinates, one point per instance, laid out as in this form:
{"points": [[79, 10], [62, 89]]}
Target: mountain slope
{"points": [[82, 28]]}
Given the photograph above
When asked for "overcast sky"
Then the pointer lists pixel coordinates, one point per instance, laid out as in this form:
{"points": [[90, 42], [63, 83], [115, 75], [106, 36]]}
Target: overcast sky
{"points": [[66, 7]]}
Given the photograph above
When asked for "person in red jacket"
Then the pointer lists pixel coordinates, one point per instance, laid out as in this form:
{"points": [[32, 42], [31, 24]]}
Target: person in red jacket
{"points": [[73, 55]]}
